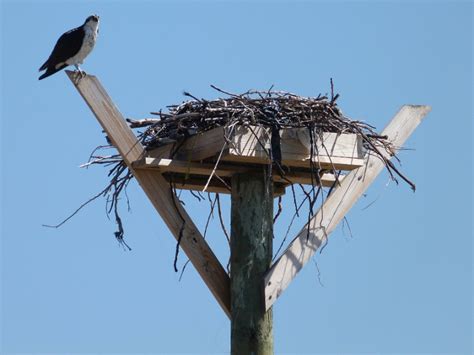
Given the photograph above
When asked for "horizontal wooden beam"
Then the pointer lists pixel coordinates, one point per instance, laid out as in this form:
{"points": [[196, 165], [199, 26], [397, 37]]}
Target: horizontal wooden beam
{"points": [[196, 148], [156, 188], [335, 207], [196, 183], [226, 170], [187, 167], [250, 145]]}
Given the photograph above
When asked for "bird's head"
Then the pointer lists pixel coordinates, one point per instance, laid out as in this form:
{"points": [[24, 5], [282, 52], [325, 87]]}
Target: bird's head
{"points": [[93, 19]]}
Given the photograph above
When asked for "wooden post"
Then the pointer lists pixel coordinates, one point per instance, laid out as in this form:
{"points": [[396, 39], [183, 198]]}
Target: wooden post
{"points": [[251, 255]]}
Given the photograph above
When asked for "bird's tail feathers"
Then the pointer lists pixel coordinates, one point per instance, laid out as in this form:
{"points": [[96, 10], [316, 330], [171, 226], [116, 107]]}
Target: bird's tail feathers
{"points": [[51, 71], [44, 66]]}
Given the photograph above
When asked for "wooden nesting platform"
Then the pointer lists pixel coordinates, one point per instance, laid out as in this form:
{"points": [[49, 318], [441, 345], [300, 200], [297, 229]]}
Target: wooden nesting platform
{"points": [[199, 152], [244, 149]]}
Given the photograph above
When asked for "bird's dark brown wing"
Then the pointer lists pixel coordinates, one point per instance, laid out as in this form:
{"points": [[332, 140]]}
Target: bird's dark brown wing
{"points": [[66, 47]]}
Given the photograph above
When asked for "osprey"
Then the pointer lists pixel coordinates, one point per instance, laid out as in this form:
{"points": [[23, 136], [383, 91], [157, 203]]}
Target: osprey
{"points": [[72, 48]]}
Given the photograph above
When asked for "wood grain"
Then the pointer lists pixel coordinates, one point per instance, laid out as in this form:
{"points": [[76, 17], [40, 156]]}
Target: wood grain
{"points": [[302, 248], [250, 146], [156, 188]]}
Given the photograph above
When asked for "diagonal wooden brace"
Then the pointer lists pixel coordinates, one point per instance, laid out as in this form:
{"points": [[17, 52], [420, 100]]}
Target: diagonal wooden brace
{"points": [[302, 248], [156, 188]]}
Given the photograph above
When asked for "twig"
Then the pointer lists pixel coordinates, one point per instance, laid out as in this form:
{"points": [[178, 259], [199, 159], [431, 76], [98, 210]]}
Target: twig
{"points": [[221, 220], [77, 210]]}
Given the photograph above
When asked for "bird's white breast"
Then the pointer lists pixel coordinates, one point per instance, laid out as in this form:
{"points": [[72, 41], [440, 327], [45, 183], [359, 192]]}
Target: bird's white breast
{"points": [[90, 37]]}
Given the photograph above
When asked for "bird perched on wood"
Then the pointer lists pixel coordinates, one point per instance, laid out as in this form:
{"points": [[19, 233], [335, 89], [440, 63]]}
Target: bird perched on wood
{"points": [[72, 48]]}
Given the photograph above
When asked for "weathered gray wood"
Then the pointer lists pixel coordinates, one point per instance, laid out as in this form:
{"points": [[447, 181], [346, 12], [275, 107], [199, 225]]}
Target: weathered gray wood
{"points": [[251, 255], [302, 248], [156, 188]]}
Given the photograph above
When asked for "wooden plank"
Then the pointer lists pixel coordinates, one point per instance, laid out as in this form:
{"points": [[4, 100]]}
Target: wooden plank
{"points": [[157, 189], [341, 151], [197, 183], [322, 162], [225, 170], [302, 248], [196, 148], [189, 167], [203, 145]]}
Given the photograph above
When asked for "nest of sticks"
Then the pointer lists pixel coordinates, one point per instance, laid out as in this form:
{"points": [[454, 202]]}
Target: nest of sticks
{"points": [[274, 109]]}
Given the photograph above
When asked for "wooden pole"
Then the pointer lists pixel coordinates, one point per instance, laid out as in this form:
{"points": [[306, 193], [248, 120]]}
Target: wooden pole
{"points": [[251, 255]]}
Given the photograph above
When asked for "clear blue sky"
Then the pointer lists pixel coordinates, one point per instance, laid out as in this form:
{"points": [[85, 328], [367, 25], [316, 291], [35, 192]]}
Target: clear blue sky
{"points": [[401, 284]]}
